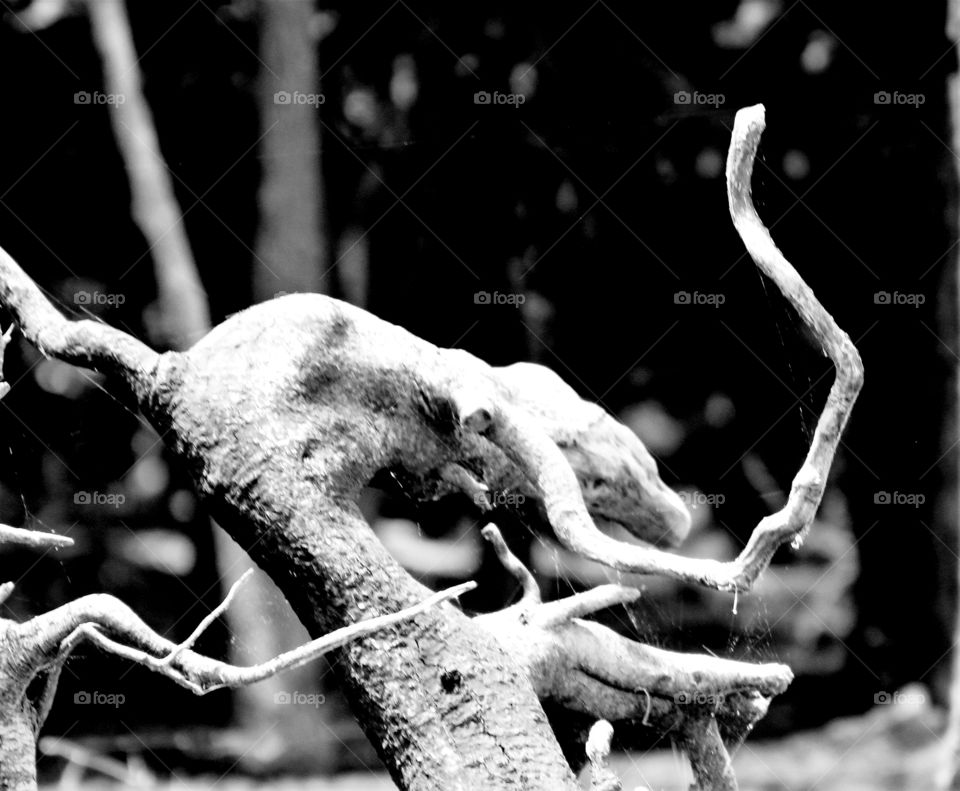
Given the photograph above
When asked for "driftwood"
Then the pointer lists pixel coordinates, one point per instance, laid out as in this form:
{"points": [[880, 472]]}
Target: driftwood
{"points": [[284, 412]]}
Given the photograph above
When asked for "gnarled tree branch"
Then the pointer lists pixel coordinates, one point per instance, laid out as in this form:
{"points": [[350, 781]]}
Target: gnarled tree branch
{"points": [[92, 618], [542, 461], [286, 411], [591, 669], [42, 645]]}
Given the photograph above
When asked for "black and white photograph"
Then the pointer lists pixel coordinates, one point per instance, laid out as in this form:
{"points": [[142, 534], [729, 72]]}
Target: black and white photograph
{"points": [[479, 396]]}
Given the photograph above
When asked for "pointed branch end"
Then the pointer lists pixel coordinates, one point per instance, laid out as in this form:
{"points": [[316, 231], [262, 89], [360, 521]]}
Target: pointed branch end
{"points": [[35, 539]]}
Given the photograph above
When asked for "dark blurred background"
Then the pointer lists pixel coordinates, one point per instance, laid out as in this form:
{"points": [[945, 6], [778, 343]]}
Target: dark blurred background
{"points": [[590, 190]]}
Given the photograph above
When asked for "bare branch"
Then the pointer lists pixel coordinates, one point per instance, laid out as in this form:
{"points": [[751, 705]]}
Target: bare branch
{"points": [[684, 678], [596, 671], [555, 613], [558, 612], [34, 539], [591, 670], [209, 619], [531, 591], [86, 343], [794, 519], [543, 462], [579, 664], [94, 616]]}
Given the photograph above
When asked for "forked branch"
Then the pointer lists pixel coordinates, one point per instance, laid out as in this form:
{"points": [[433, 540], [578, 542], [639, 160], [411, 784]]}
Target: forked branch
{"points": [[116, 629], [706, 704], [46, 641]]}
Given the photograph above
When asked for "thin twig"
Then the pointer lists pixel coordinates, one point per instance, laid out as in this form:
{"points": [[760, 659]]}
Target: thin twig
{"points": [[34, 539], [538, 456], [582, 604], [531, 591], [201, 674], [205, 623]]}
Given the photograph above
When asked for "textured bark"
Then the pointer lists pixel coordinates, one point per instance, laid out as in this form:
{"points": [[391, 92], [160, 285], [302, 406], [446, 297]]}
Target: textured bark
{"points": [[279, 445], [445, 705], [18, 745], [708, 756], [18, 736]]}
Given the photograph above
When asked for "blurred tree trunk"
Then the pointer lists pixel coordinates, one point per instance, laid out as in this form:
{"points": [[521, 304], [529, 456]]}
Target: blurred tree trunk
{"points": [[183, 306], [290, 247], [290, 255], [288, 258]]}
